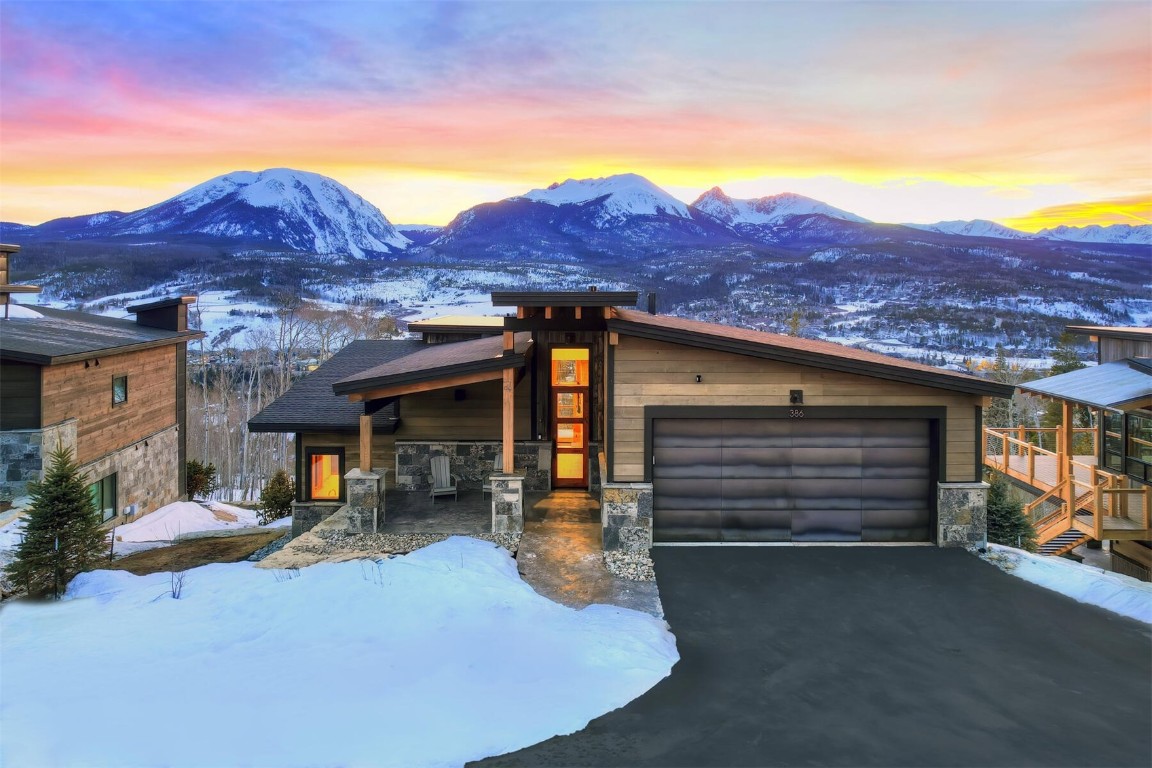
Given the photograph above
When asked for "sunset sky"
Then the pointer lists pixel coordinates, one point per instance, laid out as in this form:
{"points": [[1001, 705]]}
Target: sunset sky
{"points": [[1031, 113]]}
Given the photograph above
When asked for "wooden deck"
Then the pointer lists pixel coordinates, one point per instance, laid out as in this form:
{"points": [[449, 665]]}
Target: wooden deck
{"points": [[1073, 492]]}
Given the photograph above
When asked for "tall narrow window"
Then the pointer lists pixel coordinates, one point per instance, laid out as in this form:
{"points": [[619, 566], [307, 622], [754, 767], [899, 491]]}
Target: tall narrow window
{"points": [[103, 493], [119, 390], [325, 468]]}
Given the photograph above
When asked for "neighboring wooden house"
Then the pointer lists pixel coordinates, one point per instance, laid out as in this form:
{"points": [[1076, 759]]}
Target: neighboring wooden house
{"points": [[688, 431], [1097, 483], [111, 390]]}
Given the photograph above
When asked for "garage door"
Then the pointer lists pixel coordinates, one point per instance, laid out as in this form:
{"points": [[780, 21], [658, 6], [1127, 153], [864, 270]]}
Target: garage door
{"points": [[791, 480]]}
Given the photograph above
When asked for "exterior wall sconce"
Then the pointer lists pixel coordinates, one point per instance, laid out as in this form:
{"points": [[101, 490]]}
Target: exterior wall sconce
{"points": [[699, 378], [796, 397]]}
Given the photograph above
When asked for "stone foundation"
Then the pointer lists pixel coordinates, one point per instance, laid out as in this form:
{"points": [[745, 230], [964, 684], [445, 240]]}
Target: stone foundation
{"points": [[473, 461], [24, 455], [507, 503], [306, 515], [626, 516], [962, 515]]}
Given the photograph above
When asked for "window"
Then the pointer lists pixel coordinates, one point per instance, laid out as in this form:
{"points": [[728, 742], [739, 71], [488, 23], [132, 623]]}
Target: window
{"points": [[119, 390], [325, 468], [103, 494], [1138, 451]]}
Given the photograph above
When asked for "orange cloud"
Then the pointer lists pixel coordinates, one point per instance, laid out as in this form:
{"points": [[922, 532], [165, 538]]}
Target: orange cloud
{"points": [[1130, 210]]}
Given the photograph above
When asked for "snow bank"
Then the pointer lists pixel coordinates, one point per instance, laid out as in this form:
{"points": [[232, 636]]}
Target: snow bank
{"points": [[1111, 591], [168, 522], [431, 659]]}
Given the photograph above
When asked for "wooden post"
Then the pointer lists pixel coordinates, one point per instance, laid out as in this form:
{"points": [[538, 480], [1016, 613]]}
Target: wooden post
{"points": [[1067, 432], [509, 341], [509, 419], [365, 443], [547, 313]]}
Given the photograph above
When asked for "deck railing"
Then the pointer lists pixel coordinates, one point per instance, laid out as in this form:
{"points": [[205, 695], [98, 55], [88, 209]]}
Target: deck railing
{"points": [[1086, 498]]}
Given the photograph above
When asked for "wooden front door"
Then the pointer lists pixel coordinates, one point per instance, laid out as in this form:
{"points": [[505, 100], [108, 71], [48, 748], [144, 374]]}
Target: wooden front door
{"points": [[570, 406]]}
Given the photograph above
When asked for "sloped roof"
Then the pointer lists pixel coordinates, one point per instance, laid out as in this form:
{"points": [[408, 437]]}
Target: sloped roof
{"points": [[64, 336], [1116, 385], [792, 349], [438, 361], [1114, 331], [310, 405]]}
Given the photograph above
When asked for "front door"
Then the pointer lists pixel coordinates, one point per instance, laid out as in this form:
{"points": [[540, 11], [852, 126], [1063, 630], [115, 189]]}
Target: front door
{"points": [[570, 408]]}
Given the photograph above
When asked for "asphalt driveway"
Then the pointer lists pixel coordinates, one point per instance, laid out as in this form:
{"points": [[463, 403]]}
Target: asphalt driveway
{"points": [[885, 656]]}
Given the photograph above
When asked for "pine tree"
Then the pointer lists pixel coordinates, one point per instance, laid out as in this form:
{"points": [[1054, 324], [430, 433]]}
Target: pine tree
{"points": [[1007, 524], [277, 497], [62, 536], [1065, 358]]}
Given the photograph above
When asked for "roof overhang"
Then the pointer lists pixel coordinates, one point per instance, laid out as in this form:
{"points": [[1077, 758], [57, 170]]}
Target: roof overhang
{"points": [[1116, 386], [40, 359], [564, 298], [873, 368], [439, 367], [1096, 331]]}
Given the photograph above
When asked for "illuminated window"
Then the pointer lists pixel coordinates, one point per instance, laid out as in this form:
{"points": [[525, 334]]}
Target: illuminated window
{"points": [[569, 466], [569, 405], [325, 474], [569, 367]]}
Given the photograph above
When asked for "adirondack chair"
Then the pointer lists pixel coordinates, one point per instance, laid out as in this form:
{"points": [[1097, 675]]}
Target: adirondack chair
{"points": [[443, 481], [497, 466]]}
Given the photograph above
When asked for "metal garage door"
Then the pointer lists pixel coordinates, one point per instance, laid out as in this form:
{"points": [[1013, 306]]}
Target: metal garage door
{"points": [[791, 479]]}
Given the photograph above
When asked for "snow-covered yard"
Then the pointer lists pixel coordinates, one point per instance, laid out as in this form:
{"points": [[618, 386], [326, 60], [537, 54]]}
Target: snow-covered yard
{"points": [[1111, 591], [430, 659]]}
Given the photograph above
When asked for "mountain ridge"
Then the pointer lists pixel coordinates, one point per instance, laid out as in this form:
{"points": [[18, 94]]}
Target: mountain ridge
{"points": [[305, 211]]}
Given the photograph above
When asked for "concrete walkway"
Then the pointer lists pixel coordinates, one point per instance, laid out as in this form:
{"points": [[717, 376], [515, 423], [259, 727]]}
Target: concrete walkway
{"points": [[560, 556]]}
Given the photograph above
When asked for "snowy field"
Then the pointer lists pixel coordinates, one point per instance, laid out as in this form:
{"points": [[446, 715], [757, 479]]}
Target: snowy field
{"points": [[1085, 583], [431, 659]]}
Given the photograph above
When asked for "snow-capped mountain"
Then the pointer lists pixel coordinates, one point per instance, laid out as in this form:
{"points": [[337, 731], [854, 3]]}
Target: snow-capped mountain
{"points": [[1122, 234], [786, 218], [283, 207], [974, 228], [616, 198], [583, 216], [772, 210]]}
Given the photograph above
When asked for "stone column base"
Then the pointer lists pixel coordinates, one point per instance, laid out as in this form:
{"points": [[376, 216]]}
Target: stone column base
{"points": [[507, 503], [626, 516], [962, 515], [363, 501]]}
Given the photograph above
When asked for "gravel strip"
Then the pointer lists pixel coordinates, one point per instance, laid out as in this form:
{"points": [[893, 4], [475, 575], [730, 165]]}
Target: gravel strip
{"points": [[270, 547], [634, 566], [336, 542]]}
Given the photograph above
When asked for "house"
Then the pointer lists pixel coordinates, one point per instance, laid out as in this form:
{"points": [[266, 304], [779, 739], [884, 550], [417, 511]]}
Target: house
{"points": [[1094, 484], [686, 430], [112, 390]]}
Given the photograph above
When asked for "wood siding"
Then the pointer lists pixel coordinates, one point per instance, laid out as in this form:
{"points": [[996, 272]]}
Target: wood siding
{"points": [[1119, 349], [435, 415], [73, 391], [658, 373], [19, 395]]}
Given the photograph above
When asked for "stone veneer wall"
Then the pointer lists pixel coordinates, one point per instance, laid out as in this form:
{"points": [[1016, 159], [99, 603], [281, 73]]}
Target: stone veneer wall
{"points": [[625, 514], [472, 461], [23, 453], [962, 515], [307, 514], [146, 475]]}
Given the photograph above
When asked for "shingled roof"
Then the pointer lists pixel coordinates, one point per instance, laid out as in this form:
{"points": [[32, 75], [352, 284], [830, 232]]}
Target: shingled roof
{"points": [[792, 349], [437, 362], [311, 406], [59, 336]]}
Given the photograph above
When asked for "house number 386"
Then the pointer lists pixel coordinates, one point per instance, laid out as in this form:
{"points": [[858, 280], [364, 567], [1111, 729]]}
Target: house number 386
{"points": [[795, 413]]}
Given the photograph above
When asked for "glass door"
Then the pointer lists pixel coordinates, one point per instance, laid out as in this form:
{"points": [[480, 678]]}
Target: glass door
{"points": [[570, 406]]}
